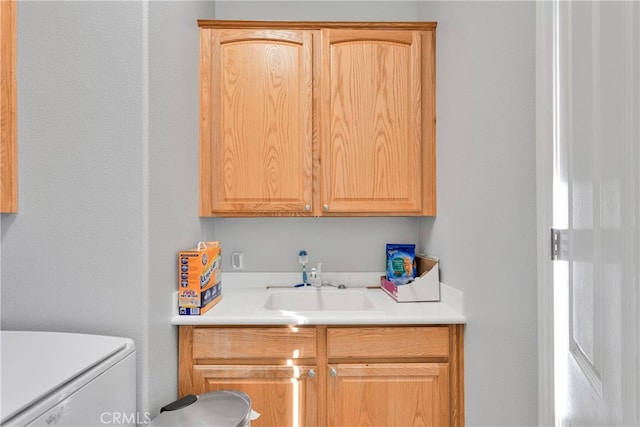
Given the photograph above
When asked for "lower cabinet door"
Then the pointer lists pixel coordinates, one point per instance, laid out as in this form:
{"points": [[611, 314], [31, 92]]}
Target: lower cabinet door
{"points": [[388, 394], [282, 395]]}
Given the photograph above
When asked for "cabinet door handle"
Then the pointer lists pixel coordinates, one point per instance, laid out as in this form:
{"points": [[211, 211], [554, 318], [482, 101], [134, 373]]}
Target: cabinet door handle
{"points": [[312, 373], [307, 207], [325, 207], [333, 372]]}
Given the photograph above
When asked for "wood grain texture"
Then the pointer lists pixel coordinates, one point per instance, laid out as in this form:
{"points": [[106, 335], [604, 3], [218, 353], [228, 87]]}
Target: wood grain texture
{"points": [[457, 375], [316, 25], [283, 395], [322, 364], [397, 342], [389, 394], [259, 136], [8, 109], [206, 154], [245, 343], [429, 123], [371, 139], [383, 375], [185, 360], [317, 118]]}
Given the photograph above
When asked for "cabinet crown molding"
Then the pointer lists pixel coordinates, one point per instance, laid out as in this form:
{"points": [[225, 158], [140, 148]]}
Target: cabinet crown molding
{"points": [[316, 25]]}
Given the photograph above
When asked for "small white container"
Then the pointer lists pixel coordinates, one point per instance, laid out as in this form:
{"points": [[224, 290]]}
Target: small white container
{"points": [[426, 287]]}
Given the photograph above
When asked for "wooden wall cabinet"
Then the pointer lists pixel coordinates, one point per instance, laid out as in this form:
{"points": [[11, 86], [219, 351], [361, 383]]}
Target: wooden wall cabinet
{"points": [[331, 375], [317, 118]]}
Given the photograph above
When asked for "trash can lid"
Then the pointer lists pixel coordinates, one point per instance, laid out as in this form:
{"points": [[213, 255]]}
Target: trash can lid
{"points": [[217, 408]]}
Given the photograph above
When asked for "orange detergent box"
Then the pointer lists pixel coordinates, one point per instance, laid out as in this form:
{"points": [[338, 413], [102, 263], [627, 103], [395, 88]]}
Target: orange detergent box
{"points": [[199, 278]]}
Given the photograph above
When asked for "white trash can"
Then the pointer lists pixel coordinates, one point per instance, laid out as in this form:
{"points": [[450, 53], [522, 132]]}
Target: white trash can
{"points": [[218, 408]]}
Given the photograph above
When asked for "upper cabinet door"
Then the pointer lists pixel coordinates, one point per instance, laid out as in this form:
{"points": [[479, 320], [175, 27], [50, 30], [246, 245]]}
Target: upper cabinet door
{"points": [[377, 122], [256, 122]]}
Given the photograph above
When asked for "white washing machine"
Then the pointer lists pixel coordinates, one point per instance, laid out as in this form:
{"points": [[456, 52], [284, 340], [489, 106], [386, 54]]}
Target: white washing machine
{"points": [[66, 379]]}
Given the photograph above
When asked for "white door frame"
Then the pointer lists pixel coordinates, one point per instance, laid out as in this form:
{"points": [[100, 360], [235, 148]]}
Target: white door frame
{"points": [[545, 30]]}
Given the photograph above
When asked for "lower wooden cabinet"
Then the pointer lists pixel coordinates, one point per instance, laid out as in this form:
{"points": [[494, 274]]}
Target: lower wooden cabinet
{"points": [[283, 395], [389, 394], [331, 375]]}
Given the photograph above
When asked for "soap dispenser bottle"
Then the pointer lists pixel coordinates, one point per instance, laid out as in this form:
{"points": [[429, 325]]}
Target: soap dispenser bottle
{"points": [[316, 275]]}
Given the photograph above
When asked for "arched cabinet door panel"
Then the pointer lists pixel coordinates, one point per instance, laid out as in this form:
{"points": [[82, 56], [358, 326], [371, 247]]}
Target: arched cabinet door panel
{"points": [[256, 129]]}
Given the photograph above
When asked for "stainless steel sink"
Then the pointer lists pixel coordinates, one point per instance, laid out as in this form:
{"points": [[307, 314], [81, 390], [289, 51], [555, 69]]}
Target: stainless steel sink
{"points": [[318, 300]]}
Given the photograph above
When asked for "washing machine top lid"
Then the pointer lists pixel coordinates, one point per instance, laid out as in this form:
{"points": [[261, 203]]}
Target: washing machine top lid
{"points": [[224, 408], [35, 364]]}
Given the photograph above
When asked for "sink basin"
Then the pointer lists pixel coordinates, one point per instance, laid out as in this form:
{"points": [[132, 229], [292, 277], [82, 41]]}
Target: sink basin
{"points": [[317, 300]]}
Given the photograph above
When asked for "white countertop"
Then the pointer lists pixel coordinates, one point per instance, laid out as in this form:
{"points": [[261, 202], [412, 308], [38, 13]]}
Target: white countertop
{"points": [[243, 293]]}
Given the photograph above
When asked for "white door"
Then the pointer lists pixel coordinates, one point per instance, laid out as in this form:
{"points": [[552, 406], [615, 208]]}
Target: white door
{"points": [[596, 202]]}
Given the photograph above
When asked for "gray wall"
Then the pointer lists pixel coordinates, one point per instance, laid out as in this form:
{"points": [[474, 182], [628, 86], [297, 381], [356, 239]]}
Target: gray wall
{"points": [[484, 232], [108, 182], [72, 258], [108, 149]]}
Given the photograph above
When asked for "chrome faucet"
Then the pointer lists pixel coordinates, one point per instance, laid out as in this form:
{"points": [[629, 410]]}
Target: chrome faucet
{"points": [[340, 286], [316, 278]]}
